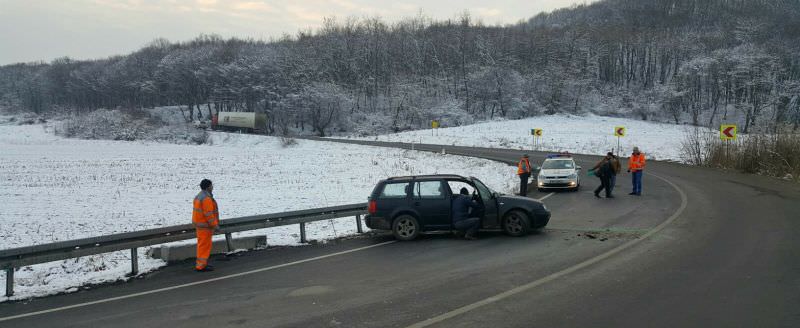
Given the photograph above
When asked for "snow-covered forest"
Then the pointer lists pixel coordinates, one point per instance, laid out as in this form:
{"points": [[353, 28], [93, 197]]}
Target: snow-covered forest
{"points": [[700, 62]]}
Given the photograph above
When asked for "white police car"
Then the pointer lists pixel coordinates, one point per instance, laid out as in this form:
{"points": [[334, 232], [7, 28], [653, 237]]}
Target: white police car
{"points": [[559, 171]]}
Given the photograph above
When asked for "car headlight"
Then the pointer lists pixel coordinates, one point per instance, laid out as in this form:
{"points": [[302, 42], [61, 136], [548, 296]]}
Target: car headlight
{"points": [[544, 207]]}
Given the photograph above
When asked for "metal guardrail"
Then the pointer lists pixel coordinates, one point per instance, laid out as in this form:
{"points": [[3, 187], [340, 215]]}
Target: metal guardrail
{"points": [[10, 259]]}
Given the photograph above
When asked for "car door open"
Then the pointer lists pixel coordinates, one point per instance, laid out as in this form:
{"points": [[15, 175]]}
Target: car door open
{"points": [[432, 201]]}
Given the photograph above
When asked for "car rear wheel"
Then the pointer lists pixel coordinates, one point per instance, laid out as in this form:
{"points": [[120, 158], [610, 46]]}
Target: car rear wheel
{"points": [[405, 227], [515, 223]]}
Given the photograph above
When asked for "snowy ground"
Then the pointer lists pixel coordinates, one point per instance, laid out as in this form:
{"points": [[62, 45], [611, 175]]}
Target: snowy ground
{"points": [[589, 134], [55, 189]]}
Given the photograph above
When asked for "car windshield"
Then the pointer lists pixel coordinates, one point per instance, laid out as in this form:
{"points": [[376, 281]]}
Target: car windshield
{"points": [[558, 165]]}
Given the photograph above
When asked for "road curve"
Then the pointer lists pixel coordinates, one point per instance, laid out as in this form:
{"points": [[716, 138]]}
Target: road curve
{"points": [[701, 247]]}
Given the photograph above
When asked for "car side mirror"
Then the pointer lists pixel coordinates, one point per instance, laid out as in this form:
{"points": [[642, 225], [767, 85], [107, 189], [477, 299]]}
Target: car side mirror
{"points": [[578, 168], [537, 168]]}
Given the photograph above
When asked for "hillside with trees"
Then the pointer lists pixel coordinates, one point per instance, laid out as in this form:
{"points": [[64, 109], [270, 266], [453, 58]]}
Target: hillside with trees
{"points": [[699, 62]]}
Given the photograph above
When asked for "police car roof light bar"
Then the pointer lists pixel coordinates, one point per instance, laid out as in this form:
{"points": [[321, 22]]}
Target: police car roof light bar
{"points": [[562, 154]]}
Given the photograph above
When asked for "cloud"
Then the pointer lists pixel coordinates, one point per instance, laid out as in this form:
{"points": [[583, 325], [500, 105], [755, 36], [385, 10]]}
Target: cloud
{"points": [[306, 15], [346, 4], [487, 12], [206, 6], [254, 6], [46, 29]]}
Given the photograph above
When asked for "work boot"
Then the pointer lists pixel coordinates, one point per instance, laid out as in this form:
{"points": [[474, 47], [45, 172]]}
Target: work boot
{"points": [[470, 237], [206, 269], [597, 194]]}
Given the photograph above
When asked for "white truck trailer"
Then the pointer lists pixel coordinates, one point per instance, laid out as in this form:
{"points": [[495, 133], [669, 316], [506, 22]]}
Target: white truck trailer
{"points": [[240, 121]]}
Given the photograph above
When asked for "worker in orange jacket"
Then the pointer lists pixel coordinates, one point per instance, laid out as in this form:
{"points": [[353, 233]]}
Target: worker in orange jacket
{"points": [[205, 219], [636, 167], [524, 172]]}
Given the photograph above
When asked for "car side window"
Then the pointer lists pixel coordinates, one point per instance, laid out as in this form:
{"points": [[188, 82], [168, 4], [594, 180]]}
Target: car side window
{"points": [[455, 187], [429, 190], [394, 190]]}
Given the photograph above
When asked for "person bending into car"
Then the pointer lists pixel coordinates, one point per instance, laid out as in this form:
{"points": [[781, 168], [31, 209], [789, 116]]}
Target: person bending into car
{"points": [[462, 203]]}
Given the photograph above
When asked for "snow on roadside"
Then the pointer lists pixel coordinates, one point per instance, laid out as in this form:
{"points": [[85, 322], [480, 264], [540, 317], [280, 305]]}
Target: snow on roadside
{"points": [[55, 189], [590, 134]]}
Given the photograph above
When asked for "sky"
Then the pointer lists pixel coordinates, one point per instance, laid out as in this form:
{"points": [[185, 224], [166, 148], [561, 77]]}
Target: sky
{"points": [[35, 30]]}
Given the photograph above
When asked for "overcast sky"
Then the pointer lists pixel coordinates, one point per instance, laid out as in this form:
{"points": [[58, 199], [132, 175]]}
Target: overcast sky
{"points": [[32, 30]]}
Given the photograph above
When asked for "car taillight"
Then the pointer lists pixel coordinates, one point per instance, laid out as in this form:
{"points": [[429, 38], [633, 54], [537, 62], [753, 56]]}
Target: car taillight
{"points": [[373, 207]]}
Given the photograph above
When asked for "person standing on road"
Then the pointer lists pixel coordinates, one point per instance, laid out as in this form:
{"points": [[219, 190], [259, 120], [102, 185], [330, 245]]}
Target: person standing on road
{"points": [[636, 167], [604, 170], [617, 167], [462, 204], [524, 172], [205, 218]]}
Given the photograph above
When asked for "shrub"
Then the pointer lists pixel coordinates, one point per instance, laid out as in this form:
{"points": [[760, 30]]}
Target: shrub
{"points": [[776, 154], [129, 126], [288, 142]]}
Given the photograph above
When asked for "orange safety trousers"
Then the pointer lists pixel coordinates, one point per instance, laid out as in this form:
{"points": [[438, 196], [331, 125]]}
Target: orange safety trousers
{"points": [[203, 247]]}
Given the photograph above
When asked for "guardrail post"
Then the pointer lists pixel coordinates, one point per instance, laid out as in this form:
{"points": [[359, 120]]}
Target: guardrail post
{"points": [[228, 241], [134, 261], [9, 282], [303, 232], [358, 223]]}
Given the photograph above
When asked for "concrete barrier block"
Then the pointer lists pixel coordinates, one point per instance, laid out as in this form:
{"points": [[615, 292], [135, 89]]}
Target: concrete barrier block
{"points": [[183, 252]]}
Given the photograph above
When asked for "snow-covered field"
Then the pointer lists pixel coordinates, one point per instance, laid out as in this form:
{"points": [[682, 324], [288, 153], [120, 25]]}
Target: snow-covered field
{"points": [[588, 134], [55, 189]]}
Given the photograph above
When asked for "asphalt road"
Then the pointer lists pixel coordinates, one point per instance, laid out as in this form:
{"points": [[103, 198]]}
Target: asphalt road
{"points": [[700, 248]]}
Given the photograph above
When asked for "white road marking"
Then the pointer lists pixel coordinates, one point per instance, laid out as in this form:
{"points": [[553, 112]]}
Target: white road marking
{"points": [[551, 277], [545, 197], [154, 291]]}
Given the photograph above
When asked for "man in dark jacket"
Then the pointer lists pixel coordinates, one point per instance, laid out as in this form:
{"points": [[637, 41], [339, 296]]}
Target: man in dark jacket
{"points": [[617, 167], [605, 171], [462, 221]]}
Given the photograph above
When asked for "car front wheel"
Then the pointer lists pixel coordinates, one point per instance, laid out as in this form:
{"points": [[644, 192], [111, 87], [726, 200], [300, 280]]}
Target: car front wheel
{"points": [[515, 223], [405, 227]]}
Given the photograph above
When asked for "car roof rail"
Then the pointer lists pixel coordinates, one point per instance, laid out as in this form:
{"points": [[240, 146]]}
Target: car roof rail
{"points": [[427, 176]]}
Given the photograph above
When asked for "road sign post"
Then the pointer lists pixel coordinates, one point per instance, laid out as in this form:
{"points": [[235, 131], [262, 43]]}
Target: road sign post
{"points": [[434, 126], [619, 131], [727, 132], [536, 134], [533, 139]]}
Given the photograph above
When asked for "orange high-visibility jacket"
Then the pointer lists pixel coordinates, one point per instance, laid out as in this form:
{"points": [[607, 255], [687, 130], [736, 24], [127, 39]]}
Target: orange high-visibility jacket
{"points": [[206, 212], [636, 162], [524, 166]]}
